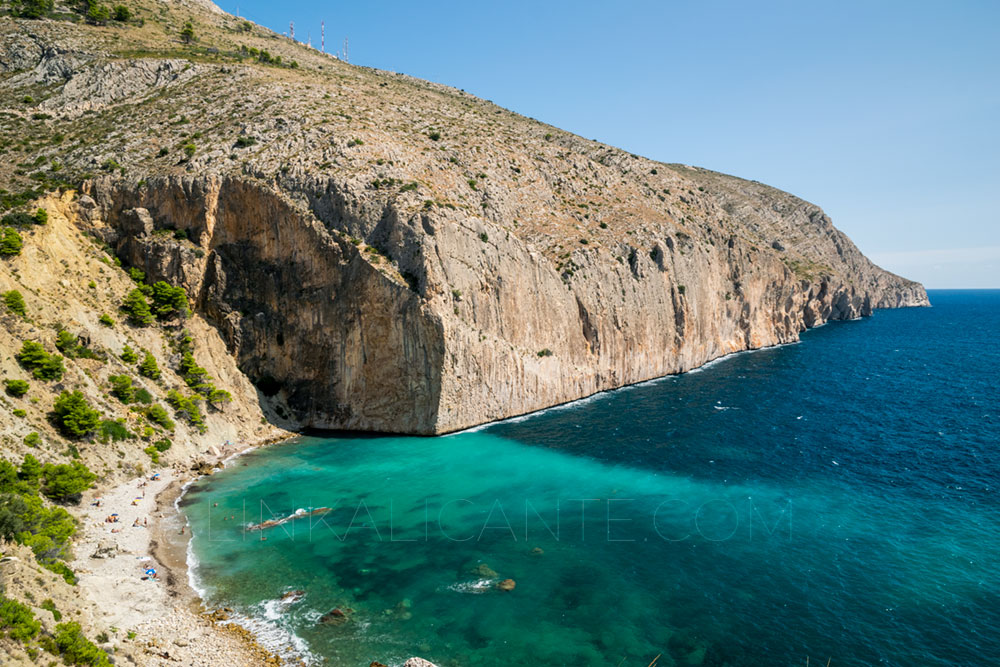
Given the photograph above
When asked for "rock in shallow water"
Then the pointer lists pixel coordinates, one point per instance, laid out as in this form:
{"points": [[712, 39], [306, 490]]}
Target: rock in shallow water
{"points": [[418, 662]]}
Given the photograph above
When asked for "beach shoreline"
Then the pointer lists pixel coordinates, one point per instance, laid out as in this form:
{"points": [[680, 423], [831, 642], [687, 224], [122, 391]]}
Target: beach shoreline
{"points": [[161, 620]]}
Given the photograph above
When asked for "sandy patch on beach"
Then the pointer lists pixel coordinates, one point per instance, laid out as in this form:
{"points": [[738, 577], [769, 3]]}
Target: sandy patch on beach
{"points": [[111, 559]]}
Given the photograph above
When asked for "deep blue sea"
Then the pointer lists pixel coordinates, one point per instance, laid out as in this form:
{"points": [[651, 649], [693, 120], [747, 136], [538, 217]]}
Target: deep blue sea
{"points": [[834, 500]]}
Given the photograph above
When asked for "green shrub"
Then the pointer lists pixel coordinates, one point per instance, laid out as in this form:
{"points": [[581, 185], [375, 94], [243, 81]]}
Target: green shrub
{"points": [[10, 242], [148, 368], [113, 430], [18, 620], [98, 14], [25, 519], [219, 397], [18, 220], [16, 388], [50, 606], [138, 275], [154, 454], [162, 444], [434, 135], [194, 375], [15, 302], [137, 309], [128, 355], [187, 33], [245, 142], [31, 471], [545, 353], [33, 9], [60, 568], [187, 408], [121, 13], [66, 480], [121, 388], [169, 301], [41, 217], [32, 439], [73, 415], [143, 396], [158, 415], [106, 320], [43, 366], [13, 509], [67, 343], [20, 413], [77, 649], [189, 150]]}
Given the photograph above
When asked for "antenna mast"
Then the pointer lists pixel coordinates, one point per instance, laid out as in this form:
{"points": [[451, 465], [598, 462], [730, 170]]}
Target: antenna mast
{"points": [[291, 29], [346, 59], [322, 36]]}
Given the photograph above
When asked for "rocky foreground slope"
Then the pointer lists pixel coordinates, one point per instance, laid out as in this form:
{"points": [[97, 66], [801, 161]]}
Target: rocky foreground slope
{"points": [[383, 253]]}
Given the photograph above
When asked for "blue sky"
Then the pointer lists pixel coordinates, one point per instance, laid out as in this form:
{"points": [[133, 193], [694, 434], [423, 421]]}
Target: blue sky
{"points": [[884, 113]]}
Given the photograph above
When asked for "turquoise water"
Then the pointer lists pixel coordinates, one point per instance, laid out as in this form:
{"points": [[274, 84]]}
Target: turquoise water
{"points": [[830, 499]]}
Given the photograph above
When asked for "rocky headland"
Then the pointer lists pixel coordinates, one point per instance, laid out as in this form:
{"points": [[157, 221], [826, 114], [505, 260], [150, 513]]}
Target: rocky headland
{"points": [[354, 249]]}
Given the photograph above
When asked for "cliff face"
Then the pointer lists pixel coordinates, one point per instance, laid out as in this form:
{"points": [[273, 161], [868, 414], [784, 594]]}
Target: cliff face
{"points": [[469, 323], [381, 253]]}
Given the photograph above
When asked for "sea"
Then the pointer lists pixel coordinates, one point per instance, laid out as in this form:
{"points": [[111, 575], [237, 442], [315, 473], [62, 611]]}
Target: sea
{"points": [[833, 501]]}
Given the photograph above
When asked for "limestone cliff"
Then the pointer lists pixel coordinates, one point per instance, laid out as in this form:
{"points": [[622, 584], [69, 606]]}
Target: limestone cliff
{"points": [[382, 253]]}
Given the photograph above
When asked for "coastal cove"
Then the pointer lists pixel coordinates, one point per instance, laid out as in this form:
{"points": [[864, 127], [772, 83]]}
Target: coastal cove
{"points": [[831, 499]]}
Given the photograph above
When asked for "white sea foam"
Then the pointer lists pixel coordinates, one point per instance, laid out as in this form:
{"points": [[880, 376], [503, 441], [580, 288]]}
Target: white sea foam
{"points": [[192, 570], [475, 587], [274, 610], [274, 636]]}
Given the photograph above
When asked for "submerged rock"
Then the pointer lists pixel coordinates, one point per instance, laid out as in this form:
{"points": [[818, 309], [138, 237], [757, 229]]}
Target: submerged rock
{"points": [[336, 616], [484, 571], [291, 597], [507, 585]]}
